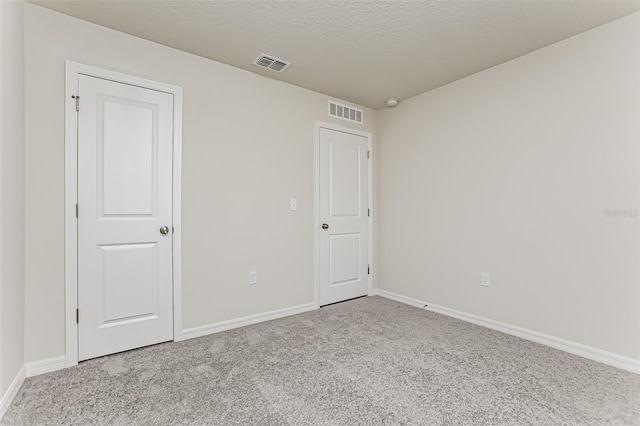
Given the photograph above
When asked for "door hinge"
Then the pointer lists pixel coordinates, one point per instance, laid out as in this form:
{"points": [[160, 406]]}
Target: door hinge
{"points": [[368, 269], [368, 154], [368, 212], [77, 98], [77, 213], [77, 316], [173, 230]]}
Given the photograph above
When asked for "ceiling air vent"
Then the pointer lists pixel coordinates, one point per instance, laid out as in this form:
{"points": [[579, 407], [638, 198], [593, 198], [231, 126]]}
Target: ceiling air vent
{"points": [[345, 112], [272, 63]]}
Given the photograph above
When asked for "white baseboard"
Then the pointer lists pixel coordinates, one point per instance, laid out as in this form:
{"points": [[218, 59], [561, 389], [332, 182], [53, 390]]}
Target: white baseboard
{"points": [[217, 327], [43, 366], [594, 354], [399, 298], [14, 387]]}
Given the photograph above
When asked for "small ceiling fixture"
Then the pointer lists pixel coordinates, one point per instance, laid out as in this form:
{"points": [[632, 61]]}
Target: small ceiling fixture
{"points": [[392, 102], [271, 62]]}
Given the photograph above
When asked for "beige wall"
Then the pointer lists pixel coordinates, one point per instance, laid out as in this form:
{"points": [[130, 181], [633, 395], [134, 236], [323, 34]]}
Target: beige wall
{"points": [[510, 171], [12, 168], [247, 149]]}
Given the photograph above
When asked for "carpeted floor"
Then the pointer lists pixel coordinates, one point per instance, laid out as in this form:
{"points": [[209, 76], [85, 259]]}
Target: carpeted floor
{"points": [[369, 361]]}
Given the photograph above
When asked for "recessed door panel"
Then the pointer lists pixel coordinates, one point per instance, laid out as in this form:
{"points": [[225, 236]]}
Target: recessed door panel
{"points": [[129, 282], [343, 167], [344, 175], [344, 258], [127, 156], [125, 277]]}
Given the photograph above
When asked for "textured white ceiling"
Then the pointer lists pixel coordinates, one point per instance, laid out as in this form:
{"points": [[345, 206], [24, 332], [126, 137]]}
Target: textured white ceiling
{"points": [[360, 51]]}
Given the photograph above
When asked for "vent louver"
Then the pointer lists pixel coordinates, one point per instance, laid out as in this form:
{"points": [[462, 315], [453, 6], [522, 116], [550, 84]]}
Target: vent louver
{"points": [[272, 63], [345, 112]]}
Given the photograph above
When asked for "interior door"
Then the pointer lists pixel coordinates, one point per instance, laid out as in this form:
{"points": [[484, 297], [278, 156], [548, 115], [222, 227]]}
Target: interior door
{"points": [[344, 221], [125, 291]]}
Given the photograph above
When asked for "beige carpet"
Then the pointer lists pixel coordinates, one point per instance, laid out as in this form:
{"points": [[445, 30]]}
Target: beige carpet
{"points": [[370, 361]]}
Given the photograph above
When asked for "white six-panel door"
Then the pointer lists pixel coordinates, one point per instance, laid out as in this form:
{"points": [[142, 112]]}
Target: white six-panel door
{"points": [[343, 214], [125, 296]]}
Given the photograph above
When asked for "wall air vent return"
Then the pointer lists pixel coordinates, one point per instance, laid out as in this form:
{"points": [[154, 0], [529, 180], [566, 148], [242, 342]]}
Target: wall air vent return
{"points": [[271, 62], [345, 112]]}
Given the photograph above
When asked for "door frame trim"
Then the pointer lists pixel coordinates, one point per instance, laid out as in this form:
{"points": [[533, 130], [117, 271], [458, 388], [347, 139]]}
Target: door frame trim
{"points": [[316, 219], [72, 72]]}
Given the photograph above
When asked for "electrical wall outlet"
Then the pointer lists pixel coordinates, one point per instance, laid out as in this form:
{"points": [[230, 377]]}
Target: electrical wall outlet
{"points": [[485, 279], [253, 277]]}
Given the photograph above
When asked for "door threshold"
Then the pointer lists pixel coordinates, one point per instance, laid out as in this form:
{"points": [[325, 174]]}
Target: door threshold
{"points": [[342, 301], [125, 351]]}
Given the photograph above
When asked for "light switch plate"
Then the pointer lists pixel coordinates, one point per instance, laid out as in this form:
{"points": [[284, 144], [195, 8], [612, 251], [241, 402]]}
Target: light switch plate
{"points": [[293, 204], [485, 279]]}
